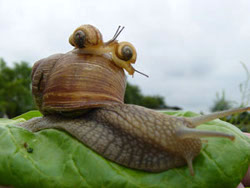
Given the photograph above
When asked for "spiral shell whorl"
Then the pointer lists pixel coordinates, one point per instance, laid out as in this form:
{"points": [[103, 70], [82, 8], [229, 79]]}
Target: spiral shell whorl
{"points": [[76, 82], [93, 36]]}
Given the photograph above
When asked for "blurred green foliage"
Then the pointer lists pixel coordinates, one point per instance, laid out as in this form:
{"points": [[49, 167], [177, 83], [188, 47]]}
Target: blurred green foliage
{"points": [[242, 120], [133, 95], [245, 87], [15, 85], [221, 103]]}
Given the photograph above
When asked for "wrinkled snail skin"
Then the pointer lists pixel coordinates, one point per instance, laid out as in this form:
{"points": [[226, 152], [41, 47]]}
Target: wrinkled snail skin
{"points": [[82, 93]]}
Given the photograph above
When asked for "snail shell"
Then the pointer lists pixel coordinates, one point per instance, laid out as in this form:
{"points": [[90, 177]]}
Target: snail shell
{"points": [[90, 34], [76, 81]]}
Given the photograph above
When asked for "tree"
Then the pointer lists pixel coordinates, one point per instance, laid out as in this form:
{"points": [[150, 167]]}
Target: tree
{"points": [[133, 95], [154, 102], [15, 89]]}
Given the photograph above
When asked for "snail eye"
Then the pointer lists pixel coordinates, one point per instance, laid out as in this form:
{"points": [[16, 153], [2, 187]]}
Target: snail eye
{"points": [[79, 38], [127, 53]]}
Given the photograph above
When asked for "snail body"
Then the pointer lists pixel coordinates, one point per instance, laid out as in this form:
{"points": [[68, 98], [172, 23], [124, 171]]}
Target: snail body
{"points": [[129, 135], [82, 93]]}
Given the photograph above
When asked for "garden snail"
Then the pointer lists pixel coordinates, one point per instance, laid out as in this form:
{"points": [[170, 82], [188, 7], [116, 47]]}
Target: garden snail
{"points": [[82, 93], [90, 38]]}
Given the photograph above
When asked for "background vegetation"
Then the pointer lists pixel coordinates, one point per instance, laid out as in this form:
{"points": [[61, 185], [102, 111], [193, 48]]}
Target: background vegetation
{"points": [[221, 103], [16, 97], [15, 89]]}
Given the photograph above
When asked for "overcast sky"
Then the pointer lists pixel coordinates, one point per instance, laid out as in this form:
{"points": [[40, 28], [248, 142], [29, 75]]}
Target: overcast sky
{"points": [[191, 49]]}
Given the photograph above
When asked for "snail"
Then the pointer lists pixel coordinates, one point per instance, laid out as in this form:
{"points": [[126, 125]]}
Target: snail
{"points": [[82, 91], [90, 38]]}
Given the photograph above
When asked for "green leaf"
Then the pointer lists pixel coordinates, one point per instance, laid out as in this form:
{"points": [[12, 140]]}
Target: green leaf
{"points": [[53, 158], [29, 115]]}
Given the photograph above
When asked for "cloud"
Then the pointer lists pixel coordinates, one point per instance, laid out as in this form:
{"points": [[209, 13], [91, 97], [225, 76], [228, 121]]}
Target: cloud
{"points": [[190, 49]]}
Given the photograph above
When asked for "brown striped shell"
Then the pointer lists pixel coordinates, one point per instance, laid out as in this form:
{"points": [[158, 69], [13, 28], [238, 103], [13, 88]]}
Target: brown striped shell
{"points": [[75, 81]]}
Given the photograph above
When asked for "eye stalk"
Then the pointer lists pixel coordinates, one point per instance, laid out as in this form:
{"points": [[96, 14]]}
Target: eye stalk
{"points": [[117, 33]]}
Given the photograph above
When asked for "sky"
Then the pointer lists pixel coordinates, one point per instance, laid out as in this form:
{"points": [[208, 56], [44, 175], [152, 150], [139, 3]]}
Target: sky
{"points": [[191, 49]]}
